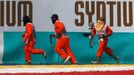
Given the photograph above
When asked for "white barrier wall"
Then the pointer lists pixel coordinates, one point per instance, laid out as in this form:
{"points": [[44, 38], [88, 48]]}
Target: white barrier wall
{"points": [[71, 10]]}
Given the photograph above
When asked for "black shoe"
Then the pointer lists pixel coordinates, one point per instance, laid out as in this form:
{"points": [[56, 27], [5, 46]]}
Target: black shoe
{"points": [[95, 62], [117, 60], [75, 63], [45, 54], [29, 62]]}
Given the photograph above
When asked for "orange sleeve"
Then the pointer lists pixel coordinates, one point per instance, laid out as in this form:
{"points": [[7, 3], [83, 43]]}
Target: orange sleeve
{"points": [[109, 31], [59, 27], [93, 32], [28, 31]]}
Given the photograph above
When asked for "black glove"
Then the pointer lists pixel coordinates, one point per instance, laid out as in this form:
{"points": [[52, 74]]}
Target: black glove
{"points": [[51, 36], [58, 35], [86, 34], [102, 36]]}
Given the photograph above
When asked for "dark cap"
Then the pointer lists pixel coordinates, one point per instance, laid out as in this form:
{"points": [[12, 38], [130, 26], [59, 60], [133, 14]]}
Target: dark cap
{"points": [[26, 19], [55, 16]]}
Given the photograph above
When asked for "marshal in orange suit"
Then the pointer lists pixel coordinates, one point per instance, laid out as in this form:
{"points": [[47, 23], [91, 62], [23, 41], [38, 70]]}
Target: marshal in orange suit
{"points": [[29, 38], [62, 46], [103, 31]]}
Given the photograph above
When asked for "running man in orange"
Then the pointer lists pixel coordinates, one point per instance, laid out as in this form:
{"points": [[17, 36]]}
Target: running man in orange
{"points": [[29, 38], [103, 31], [62, 46]]}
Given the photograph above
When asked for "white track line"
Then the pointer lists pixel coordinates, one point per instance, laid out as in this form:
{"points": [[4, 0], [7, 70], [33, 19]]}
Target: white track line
{"points": [[55, 70]]}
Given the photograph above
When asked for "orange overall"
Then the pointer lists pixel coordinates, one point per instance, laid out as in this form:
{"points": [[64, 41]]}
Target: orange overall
{"points": [[62, 46], [103, 41], [29, 39]]}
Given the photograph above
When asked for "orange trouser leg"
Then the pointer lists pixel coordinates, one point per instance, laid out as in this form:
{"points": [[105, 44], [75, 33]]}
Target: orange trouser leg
{"points": [[27, 53], [108, 51], [33, 50], [101, 48], [68, 50], [58, 48]]}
